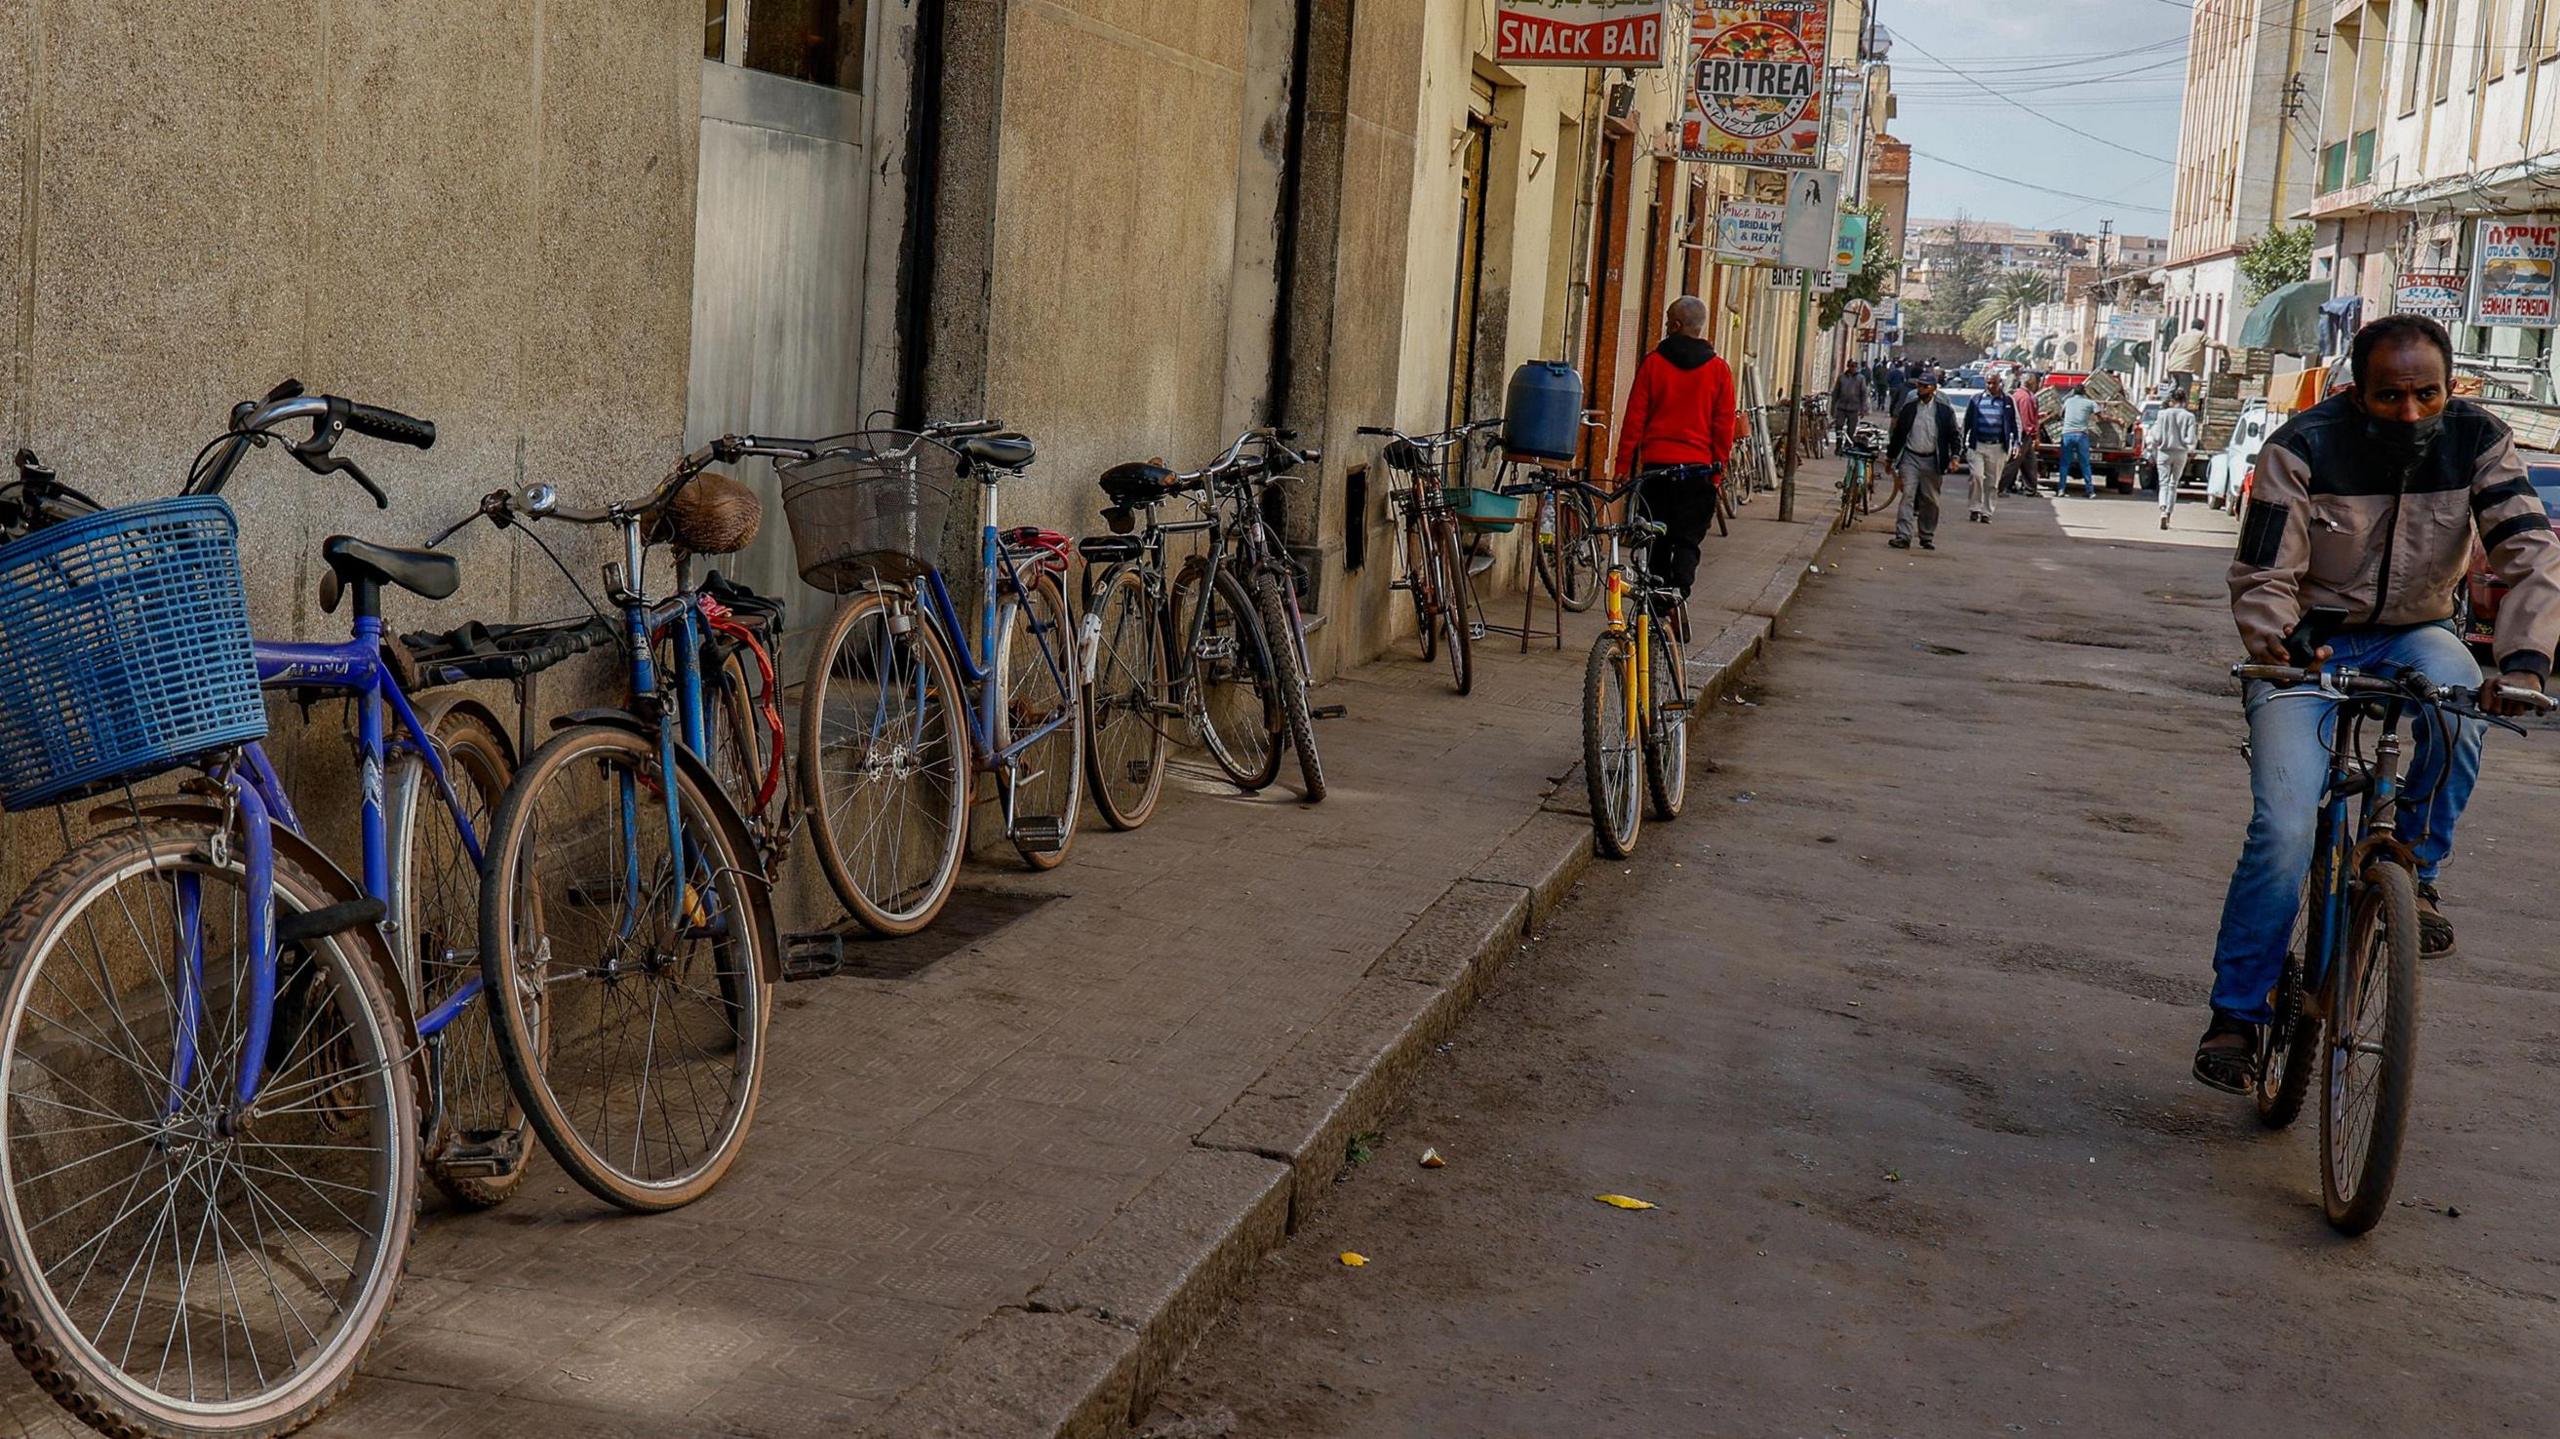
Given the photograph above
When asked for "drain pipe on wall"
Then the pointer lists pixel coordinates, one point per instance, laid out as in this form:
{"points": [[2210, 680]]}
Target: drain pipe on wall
{"points": [[1585, 207]]}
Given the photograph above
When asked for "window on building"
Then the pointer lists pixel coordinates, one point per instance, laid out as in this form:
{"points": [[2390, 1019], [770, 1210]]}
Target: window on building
{"points": [[2546, 25], [2487, 46], [819, 41], [2439, 44], [2413, 47]]}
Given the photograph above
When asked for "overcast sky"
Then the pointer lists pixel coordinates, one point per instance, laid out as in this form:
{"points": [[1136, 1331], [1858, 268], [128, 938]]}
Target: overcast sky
{"points": [[2113, 68]]}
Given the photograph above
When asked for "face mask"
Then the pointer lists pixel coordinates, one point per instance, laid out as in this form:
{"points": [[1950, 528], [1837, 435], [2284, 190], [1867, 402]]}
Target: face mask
{"points": [[2402, 441]]}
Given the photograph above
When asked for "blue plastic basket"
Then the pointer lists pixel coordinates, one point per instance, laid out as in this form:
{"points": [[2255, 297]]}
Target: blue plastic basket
{"points": [[124, 649]]}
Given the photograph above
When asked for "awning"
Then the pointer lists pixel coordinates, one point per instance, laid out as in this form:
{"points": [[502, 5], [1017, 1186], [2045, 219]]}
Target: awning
{"points": [[2128, 356], [2044, 348], [2287, 321]]}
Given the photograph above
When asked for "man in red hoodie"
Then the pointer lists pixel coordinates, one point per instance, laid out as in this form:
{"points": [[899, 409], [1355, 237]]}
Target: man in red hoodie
{"points": [[1680, 423]]}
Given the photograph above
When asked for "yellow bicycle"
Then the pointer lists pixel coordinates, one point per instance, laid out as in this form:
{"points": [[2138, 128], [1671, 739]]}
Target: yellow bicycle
{"points": [[1635, 688]]}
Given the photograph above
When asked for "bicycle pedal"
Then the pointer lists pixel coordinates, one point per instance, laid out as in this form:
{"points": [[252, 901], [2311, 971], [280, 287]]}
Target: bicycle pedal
{"points": [[1676, 707], [1171, 709], [1330, 712], [1046, 834], [818, 954], [484, 1158]]}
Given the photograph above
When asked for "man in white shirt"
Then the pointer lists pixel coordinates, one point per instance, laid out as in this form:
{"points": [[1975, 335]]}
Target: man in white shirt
{"points": [[2079, 418], [2172, 440]]}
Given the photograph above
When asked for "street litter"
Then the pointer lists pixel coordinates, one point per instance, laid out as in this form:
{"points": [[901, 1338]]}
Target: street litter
{"points": [[1353, 1261], [1621, 1201], [1431, 1159]]}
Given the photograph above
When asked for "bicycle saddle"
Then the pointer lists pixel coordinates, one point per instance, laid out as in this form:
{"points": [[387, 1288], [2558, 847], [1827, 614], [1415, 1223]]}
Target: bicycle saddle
{"points": [[997, 452], [430, 574], [1137, 483]]}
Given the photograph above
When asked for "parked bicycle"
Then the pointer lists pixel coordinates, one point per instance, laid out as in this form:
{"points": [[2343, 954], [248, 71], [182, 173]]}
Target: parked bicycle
{"points": [[211, 1143], [2346, 1006], [905, 700], [1446, 614], [1860, 461], [1635, 687], [629, 944]]}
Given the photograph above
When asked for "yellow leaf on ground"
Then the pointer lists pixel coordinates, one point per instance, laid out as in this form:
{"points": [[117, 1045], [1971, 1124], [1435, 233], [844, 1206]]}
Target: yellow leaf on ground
{"points": [[1431, 1159], [1353, 1261], [1620, 1201]]}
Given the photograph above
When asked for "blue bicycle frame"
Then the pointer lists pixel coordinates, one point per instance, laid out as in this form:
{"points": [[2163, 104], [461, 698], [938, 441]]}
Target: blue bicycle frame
{"points": [[1000, 567]]}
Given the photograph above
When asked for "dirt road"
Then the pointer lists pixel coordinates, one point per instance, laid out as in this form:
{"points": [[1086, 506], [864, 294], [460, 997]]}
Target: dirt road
{"points": [[1894, 1028]]}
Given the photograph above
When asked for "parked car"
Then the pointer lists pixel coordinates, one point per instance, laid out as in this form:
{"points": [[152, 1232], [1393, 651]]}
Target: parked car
{"points": [[2235, 467], [2476, 604]]}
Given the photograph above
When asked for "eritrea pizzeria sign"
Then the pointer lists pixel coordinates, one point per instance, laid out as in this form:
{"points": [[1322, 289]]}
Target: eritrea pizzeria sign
{"points": [[1582, 32]]}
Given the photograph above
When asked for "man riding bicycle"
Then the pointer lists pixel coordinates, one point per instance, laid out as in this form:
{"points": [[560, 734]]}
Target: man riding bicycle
{"points": [[2364, 508]]}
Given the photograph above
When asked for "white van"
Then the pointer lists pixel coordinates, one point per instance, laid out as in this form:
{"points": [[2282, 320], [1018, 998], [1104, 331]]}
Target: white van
{"points": [[2233, 463]]}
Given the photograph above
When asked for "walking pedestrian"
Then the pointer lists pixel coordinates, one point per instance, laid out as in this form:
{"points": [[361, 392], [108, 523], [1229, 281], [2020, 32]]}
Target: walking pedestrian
{"points": [[1848, 404], [1991, 432], [1680, 421], [2021, 476], [2079, 417], [1922, 449], [2173, 440], [2187, 357], [1897, 379]]}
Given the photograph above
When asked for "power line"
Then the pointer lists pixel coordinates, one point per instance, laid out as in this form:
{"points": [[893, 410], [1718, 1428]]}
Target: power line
{"points": [[2323, 32], [2048, 119], [2029, 185]]}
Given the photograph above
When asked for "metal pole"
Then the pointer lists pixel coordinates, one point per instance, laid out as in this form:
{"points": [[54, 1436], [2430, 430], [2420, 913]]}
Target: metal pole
{"points": [[1795, 394]]}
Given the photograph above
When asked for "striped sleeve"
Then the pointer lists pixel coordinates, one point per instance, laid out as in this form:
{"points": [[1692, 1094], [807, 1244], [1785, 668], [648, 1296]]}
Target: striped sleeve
{"points": [[2523, 554]]}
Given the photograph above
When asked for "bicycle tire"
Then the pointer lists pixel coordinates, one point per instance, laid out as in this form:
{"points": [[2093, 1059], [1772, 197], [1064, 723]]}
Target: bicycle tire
{"points": [[1032, 672], [543, 826], [913, 763], [375, 1096], [1125, 682], [2355, 1180], [1580, 553], [1234, 696], [1609, 774], [2292, 1047], [1297, 715], [1422, 583], [1456, 616], [435, 934], [1666, 747]]}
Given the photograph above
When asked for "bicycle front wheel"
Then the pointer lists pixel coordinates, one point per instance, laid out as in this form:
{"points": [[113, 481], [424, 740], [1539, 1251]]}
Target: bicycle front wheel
{"points": [[1124, 731], [1666, 728], [1457, 613], [884, 763], [482, 1143], [176, 1263], [1612, 756], [1043, 711], [2371, 1050], [1422, 584], [1297, 715], [1234, 699], [1577, 553], [629, 992]]}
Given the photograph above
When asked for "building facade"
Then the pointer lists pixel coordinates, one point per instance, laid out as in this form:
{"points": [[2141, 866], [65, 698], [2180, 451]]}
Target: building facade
{"points": [[2244, 162]]}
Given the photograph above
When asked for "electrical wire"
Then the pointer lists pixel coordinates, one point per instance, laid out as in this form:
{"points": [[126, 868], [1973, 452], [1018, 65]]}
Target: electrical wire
{"points": [[2048, 119], [2029, 185]]}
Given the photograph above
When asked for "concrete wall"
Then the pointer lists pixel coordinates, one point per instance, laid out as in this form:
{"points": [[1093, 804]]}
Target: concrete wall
{"points": [[483, 215]]}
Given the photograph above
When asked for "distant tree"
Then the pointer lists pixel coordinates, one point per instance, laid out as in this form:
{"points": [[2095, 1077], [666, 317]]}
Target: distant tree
{"points": [[1960, 281], [2274, 260], [2011, 291]]}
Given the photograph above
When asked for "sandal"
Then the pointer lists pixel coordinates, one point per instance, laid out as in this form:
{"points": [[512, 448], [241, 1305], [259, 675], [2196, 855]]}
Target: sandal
{"points": [[2435, 932], [2227, 1056]]}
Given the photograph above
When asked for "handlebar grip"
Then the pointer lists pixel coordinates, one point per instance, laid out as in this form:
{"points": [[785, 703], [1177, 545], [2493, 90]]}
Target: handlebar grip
{"points": [[390, 425], [963, 429], [1374, 430]]}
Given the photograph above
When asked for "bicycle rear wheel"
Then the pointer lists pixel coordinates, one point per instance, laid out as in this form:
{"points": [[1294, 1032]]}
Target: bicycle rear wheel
{"points": [[884, 762], [2292, 1048], [1666, 743], [629, 996], [1422, 584], [1577, 552], [1612, 760], [176, 1264], [1457, 616], [1124, 732], [1234, 698], [2370, 1049], [1043, 687], [1297, 715], [482, 1143]]}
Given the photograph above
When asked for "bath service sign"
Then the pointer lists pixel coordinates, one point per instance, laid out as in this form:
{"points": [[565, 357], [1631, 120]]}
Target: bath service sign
{"points": [[1632, 33], [1756, 86], [2513, 258]]}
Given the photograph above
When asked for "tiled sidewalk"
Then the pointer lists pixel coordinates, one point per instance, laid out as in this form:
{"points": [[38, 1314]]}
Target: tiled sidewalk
{"points": [[930, 1147]]}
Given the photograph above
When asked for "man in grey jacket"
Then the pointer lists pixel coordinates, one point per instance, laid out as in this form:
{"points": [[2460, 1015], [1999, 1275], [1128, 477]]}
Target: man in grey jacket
{"points": [[2367, 504], [1923, 448]]}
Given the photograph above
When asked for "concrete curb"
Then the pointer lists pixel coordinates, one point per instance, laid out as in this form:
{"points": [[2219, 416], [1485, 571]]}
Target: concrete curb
{"points": [[1084, 1358]]}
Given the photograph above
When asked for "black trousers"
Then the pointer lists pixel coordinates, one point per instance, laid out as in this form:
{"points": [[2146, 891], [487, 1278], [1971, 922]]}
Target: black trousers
{"points": [[1683, 500]]}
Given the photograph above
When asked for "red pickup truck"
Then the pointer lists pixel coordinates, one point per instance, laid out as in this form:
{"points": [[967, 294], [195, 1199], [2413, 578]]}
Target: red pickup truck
{"points": [[2115, 451]]}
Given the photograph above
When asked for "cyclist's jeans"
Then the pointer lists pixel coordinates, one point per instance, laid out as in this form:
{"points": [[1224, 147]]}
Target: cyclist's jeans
{"points": [[2289, 766]]}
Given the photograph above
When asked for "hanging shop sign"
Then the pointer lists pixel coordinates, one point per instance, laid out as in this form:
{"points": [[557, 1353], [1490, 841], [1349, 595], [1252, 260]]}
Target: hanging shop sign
{"points": [[2440, 295], [1813, 218], [1590, 33], [1750, 230], [1756, 84], [1851, 253], [2513, 258]]}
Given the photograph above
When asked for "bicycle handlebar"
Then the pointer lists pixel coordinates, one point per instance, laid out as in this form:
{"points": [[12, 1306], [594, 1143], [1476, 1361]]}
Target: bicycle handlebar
{"points": [[253, 422], [2342, 682]]}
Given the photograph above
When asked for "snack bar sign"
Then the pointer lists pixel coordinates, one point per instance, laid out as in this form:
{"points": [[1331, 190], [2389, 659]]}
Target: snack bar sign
{"points": [[1756, 87], [1632, 33]]}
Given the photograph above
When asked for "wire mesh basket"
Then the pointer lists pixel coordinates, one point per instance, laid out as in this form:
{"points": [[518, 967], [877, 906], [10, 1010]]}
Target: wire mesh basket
{"points": [[124, 643], [869, 508]]}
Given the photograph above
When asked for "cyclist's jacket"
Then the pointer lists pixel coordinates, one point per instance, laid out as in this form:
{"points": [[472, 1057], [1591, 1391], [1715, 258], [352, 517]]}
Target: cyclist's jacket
{"points": [[1680, 409], [2331, 523]]}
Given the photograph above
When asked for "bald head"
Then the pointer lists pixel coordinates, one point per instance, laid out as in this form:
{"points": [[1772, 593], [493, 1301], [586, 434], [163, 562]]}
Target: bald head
{"points": [[1687, 316]]}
